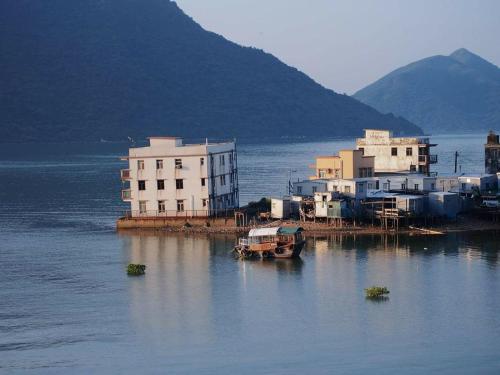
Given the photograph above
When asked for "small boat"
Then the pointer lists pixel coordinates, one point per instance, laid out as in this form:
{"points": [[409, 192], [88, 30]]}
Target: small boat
{"points": [[274, 242]]}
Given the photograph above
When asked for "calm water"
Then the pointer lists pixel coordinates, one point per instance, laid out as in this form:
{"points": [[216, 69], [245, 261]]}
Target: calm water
{"points": [[67, 306]]}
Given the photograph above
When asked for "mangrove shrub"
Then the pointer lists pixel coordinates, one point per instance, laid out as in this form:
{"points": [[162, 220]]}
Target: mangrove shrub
{"points": [[376, 291], [136, 269]]}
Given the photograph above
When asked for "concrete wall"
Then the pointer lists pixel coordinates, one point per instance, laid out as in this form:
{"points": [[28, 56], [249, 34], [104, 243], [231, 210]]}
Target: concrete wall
{"points": [[164, 223], [379, 143], [201, 161], [348, 164]]}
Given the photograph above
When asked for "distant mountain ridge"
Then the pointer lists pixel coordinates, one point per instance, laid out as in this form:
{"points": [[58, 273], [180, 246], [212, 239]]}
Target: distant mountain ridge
{"points": [[459, 93], [110, 69]]}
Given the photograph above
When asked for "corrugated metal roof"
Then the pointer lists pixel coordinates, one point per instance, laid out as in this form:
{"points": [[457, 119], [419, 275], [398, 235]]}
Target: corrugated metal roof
{"points": [[259, 232], [273, 231]]}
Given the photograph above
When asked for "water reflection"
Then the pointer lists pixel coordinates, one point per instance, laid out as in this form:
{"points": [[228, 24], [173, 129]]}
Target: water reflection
{"points": [[198, 301], [475, 245]]}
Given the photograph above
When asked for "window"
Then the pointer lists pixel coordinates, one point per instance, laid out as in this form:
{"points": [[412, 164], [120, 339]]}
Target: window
{"points": [[231, 178], [394, 151], [161, 207], [369, 172], [335, 188], [159, 164], [202, 161], [142, 184], [299, 189], [179, 183], [377, 185], [409, 151], [178, 163], [142, 207], [433, 186], [180, 205], [464, 187], [140, 165], [223, 180], [362, 150], [337, 173], [403, 186], [160, 184], [314, 189], [204, 202], [203, 181], [322, 173], [230, 158], [416, 187], [222, 160], [360, 188], [413, 168], [347, 189], [385, 186]]}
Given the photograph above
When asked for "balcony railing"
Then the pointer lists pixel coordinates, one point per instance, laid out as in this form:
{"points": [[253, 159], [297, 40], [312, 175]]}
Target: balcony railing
{"points": [[125, 174], [126, 194], [223, 213], [427, 159]]}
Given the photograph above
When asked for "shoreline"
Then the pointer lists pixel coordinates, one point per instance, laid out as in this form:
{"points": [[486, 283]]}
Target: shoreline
{"points": [[462, 225]]}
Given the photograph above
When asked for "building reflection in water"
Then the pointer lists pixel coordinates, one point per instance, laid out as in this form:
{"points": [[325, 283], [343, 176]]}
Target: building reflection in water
{"points": [[195, 291]]}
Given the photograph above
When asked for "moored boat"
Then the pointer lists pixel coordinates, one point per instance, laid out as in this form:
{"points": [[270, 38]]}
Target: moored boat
{"points": [[274, 242]]}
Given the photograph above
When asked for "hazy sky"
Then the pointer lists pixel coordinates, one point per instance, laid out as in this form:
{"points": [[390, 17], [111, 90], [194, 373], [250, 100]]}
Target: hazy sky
{"points": [[347, 44]]}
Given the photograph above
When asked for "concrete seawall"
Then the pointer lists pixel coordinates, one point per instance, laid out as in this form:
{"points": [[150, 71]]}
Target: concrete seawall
{"points": [[174, 222]]}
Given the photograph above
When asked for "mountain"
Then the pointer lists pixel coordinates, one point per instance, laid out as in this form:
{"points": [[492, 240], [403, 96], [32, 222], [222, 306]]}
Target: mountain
{"points": [[110, 69], [458, 93]]}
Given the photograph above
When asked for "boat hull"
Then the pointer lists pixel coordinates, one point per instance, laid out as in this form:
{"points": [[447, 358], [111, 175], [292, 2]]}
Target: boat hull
{"points": [[280, 252]]}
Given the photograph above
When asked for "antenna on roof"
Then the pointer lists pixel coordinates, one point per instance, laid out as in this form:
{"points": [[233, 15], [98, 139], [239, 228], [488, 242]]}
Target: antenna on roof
{"points": [[206, 141]]}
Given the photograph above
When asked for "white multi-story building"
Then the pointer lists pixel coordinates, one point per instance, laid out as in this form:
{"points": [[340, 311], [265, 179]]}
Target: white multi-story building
{"points": [[169, 178], [397, 154]]}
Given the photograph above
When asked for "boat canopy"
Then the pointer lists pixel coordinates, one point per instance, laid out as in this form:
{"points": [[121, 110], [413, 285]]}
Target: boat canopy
{"points": [[290, 230], [261, 232], [273, 231]]}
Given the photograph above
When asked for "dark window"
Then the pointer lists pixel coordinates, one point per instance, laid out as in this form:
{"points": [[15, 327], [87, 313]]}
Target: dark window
{"points": [[179, 183], [362, 150], [223, 180], [409, 151], [140, 164], [160, 184], [178, 163], [142, 184], [416, 186], [204, 202], [180, 205], [394, 151], [202, 161], [161, 207], [203, 182], [159, 164]]}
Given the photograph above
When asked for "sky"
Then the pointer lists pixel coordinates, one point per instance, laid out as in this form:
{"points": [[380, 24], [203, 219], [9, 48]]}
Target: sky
{"points": [[347, 44]]}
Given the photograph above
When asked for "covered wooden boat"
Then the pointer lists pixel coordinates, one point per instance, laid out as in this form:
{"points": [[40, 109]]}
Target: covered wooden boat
{"points": [[275, 242]]}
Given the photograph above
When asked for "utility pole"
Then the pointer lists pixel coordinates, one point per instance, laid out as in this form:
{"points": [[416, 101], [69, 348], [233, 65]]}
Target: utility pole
{"points": [[456, 160]]}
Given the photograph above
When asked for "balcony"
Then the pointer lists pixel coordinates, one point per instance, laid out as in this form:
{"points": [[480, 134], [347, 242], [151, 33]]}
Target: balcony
{"points": [[427, 159], [125, 174], [126, 195]]}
